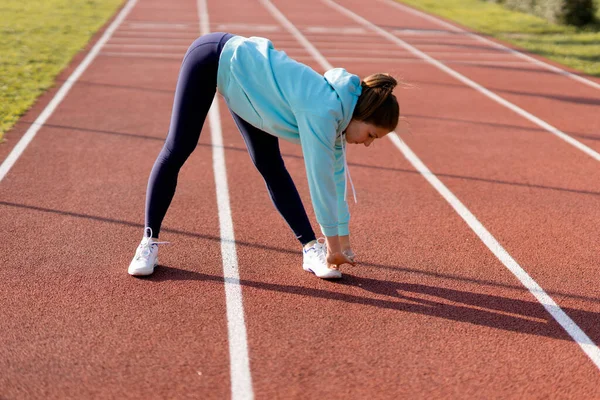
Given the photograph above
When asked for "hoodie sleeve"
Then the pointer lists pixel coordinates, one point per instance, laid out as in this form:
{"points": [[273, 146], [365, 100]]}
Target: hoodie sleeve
{"points": [[340, 188], [317, 136]]}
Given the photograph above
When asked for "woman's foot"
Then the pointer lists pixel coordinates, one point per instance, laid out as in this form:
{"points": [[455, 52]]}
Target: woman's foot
{"points": [[146, 256]]}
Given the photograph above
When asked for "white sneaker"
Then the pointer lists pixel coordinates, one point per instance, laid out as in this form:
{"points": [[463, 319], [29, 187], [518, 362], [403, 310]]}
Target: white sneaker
{"points": [[146, 256], [315, 261]]}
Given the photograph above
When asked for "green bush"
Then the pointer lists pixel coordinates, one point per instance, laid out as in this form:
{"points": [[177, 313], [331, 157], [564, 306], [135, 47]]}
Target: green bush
{"points": [[570, 12]]}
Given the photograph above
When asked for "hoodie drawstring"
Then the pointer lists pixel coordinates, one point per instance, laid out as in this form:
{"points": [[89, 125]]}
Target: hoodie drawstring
{"points": [[347, 174]]}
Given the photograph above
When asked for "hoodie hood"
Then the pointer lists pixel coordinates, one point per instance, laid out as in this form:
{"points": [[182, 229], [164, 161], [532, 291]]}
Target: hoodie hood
{"points": [[348, 88]]}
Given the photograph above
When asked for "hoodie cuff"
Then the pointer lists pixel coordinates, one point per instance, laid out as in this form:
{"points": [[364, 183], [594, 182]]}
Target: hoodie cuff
{"points": [[329, 230], [343, 229]]}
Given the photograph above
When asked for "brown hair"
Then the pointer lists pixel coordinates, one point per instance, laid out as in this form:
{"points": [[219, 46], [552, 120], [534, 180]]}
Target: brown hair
{"points": [[376, 104]]}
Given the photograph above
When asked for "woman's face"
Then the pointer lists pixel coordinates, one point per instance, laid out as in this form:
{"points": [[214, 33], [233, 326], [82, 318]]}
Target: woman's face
{"points": [[359, 132]]}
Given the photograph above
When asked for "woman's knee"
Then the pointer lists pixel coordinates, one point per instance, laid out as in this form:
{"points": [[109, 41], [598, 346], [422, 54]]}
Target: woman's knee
{"points": [[175, 155]]}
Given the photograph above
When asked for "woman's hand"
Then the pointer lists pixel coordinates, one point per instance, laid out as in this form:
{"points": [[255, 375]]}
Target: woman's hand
{"points": [[350, 254], [334, 260], [339, 251]]}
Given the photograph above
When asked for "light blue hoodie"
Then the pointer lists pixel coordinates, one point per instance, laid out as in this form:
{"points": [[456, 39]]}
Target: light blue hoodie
{"points": [[291, 101]]}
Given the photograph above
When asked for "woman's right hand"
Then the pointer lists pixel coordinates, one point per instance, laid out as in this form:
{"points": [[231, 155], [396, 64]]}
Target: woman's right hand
{"points": [[334, 260]]}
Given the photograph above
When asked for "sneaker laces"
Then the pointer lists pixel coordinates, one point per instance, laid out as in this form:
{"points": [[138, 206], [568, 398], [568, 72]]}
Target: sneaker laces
{"points": [[320, 250], [146, 245]]}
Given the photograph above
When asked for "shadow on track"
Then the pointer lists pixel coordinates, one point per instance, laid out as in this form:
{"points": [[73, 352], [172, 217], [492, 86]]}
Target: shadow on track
{"points": [[294, 251], [492, 311]]}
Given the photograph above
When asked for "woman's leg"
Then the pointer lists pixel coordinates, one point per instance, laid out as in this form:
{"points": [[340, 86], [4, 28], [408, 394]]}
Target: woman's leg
{"points": [[265, 154], [196, 87]]}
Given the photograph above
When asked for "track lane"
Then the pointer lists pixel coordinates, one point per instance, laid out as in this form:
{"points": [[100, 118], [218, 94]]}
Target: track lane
{"points": [[563, 222], [75, 324]]}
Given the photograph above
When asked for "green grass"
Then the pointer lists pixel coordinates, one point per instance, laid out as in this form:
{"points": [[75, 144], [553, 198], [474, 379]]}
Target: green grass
{"points": [[38, 38], [578, 48]]}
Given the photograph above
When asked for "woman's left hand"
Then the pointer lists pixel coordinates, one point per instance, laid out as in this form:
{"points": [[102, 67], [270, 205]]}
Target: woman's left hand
{"points": [[350, 254], [346, 247]]}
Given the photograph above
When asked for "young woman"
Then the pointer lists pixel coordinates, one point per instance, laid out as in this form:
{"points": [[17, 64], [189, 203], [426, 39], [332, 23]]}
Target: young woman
{"points": [[271, 96]]}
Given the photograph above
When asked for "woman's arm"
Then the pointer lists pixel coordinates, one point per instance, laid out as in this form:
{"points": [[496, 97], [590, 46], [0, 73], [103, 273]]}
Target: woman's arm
{"points": [[317, 136], [318, 144]]}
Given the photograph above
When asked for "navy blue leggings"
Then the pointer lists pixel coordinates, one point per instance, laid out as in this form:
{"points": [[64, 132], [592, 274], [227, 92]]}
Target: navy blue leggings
{"points": [[196, 87]]}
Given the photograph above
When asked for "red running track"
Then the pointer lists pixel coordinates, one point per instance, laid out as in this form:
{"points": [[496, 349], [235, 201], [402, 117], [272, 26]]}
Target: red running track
{"points": [[430, 311]]}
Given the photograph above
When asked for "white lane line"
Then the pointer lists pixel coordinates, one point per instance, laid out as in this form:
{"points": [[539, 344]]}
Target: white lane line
{"points": [[590, 349], [481, 39], [578, 335], [543, 124], [241, 380], [20, 147]]}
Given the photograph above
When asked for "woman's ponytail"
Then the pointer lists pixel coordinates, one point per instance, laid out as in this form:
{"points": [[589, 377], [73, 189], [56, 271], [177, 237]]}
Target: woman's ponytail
{"points": [[376, 104]]}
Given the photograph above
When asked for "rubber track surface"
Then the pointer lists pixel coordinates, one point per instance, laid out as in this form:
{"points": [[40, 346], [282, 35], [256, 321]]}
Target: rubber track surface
{"points": [[429, 312]]}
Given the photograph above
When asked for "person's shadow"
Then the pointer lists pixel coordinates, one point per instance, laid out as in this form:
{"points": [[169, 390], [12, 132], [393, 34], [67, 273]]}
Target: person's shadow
{"points": [[493, 311]]}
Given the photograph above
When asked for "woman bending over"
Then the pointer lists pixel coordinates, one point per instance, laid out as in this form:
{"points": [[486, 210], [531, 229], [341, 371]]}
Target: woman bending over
{"points": [[272, 97]]}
